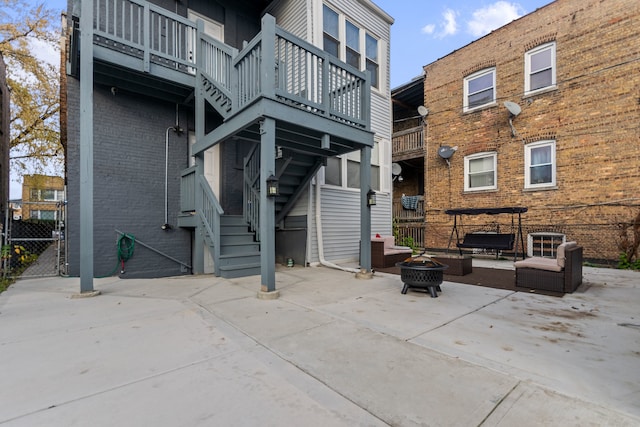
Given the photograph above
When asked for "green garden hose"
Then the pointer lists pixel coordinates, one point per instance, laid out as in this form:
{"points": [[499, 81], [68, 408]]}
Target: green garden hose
{"points": [[126, 245]]}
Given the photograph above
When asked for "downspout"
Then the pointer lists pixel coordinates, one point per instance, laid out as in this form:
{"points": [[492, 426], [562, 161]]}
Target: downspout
{"points": [[320, 241], [178, 130]]}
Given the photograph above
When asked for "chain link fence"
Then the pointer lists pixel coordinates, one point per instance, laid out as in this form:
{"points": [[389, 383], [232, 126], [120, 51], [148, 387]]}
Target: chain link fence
{"points": [[33, 240]]}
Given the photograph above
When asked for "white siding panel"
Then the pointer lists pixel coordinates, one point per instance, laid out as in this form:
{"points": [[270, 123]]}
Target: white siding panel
{"points": [[291, 16], [341, 223], [381, 115]]}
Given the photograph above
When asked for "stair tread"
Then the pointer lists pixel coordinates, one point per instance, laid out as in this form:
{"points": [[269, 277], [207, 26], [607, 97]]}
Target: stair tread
{"points": [[239, 255], [239, 266]]}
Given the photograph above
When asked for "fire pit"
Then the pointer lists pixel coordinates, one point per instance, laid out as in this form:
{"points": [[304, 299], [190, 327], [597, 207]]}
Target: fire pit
{"points": [[423, 273]]}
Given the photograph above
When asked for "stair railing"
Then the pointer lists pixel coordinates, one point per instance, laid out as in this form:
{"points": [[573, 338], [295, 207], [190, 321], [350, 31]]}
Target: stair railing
{"points": [[251, 193], [209, 214]]}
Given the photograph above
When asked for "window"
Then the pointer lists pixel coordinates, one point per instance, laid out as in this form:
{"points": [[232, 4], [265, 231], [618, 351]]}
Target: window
{"points": [[479, 89], [544, 244], [372, 59], [480, 172], [353, 175], [344, 171], [333, 171], [353, 45], [43, 214], [540, 68], [540, 164], [355, 40], [331, 25], [47, 195]]}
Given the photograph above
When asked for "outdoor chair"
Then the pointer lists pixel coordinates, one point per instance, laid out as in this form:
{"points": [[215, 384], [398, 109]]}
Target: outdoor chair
{"points": [[560, 274]]}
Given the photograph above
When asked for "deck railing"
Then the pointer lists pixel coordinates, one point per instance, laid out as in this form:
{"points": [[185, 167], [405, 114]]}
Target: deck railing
{"points": [[410, 234], [145, 30], [275, 64], [408, 140], [400, 213]]}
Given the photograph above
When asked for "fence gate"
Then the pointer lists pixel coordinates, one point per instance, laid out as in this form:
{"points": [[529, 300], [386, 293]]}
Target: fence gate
{"points": [[34, 243]]}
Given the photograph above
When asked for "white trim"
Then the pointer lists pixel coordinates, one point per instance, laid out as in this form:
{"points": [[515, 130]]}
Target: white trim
{"points": [[527, 164], [469, 78], [530, 237], [527, 68], [488, 154]]}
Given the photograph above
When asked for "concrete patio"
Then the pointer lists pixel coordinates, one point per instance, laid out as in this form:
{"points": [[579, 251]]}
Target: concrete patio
{"points": [[332, 350]]}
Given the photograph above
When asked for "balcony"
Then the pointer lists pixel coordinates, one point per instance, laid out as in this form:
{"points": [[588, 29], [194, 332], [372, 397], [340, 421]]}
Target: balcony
{"points": [[146, 49], [408, 144]]}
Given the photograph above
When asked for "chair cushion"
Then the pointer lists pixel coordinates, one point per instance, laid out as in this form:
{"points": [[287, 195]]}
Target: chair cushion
{"points": [[538, 263], [560, 253]]}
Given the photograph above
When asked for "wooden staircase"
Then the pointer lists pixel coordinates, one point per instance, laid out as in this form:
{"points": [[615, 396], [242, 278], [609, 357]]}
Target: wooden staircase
{"points": [[239, 251]]}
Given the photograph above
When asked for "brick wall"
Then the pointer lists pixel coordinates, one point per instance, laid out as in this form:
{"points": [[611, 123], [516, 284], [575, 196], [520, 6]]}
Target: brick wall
{"points": [[592, 114], [129, 180]]}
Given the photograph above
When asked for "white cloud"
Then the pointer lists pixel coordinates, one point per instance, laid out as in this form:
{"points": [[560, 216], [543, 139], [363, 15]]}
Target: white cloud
{"points": [[45, 51], [493, 16], [449, 26], [429, 29]]}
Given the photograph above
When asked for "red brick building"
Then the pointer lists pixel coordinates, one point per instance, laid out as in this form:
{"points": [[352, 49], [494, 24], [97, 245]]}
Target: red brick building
{"points": [[570, 71]]}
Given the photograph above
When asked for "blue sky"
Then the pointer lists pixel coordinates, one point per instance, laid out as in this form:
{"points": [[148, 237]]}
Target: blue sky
{"points": [[426, 30]]}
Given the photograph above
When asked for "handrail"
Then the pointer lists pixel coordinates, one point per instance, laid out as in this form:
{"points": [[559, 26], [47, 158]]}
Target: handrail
{"points": [[251, 193], [217, 62], [209, 214]]}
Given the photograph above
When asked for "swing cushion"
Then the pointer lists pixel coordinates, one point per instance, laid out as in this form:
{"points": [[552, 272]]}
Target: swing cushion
{"points": [[488, 241]]}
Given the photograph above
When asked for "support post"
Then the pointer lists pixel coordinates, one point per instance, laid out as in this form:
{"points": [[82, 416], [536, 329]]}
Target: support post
{"points": [[267, 211], [365, 214], [199, 241], [86, 148]]}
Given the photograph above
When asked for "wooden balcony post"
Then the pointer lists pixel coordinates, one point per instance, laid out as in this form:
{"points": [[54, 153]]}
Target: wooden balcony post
{"points": [[147, 38], [268, 62], [199, 95]]}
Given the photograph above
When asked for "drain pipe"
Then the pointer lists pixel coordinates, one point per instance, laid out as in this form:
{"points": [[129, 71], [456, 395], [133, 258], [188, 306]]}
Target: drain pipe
{"points": [[320, 241], [178, 130]]}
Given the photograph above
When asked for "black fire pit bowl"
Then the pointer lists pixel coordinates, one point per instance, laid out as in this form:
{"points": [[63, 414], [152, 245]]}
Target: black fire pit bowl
{"points": [[422, 273]]}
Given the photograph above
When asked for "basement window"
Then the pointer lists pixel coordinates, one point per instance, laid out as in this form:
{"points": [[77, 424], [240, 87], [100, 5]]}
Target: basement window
{"points": [[544, 244]]}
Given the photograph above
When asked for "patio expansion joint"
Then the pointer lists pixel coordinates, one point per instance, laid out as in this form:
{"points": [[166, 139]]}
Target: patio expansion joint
{"points": [[461, 316], [498, 403]]}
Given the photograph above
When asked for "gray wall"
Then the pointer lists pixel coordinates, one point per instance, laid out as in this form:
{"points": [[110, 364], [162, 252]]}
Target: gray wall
{"points": [[129, 170]]}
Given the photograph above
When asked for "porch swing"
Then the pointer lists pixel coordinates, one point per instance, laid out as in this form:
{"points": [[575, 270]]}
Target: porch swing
{"points": [[488, 240]]}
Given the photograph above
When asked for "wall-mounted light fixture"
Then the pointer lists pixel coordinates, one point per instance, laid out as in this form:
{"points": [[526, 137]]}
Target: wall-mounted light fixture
{"points": [[273, 187], [514, 110], [371, 198]]}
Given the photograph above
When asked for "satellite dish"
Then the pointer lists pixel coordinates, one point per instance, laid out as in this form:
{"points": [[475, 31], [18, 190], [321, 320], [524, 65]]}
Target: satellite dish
{"points": [[396, 169], [446, 152], [514, 109], [423, 111]]}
